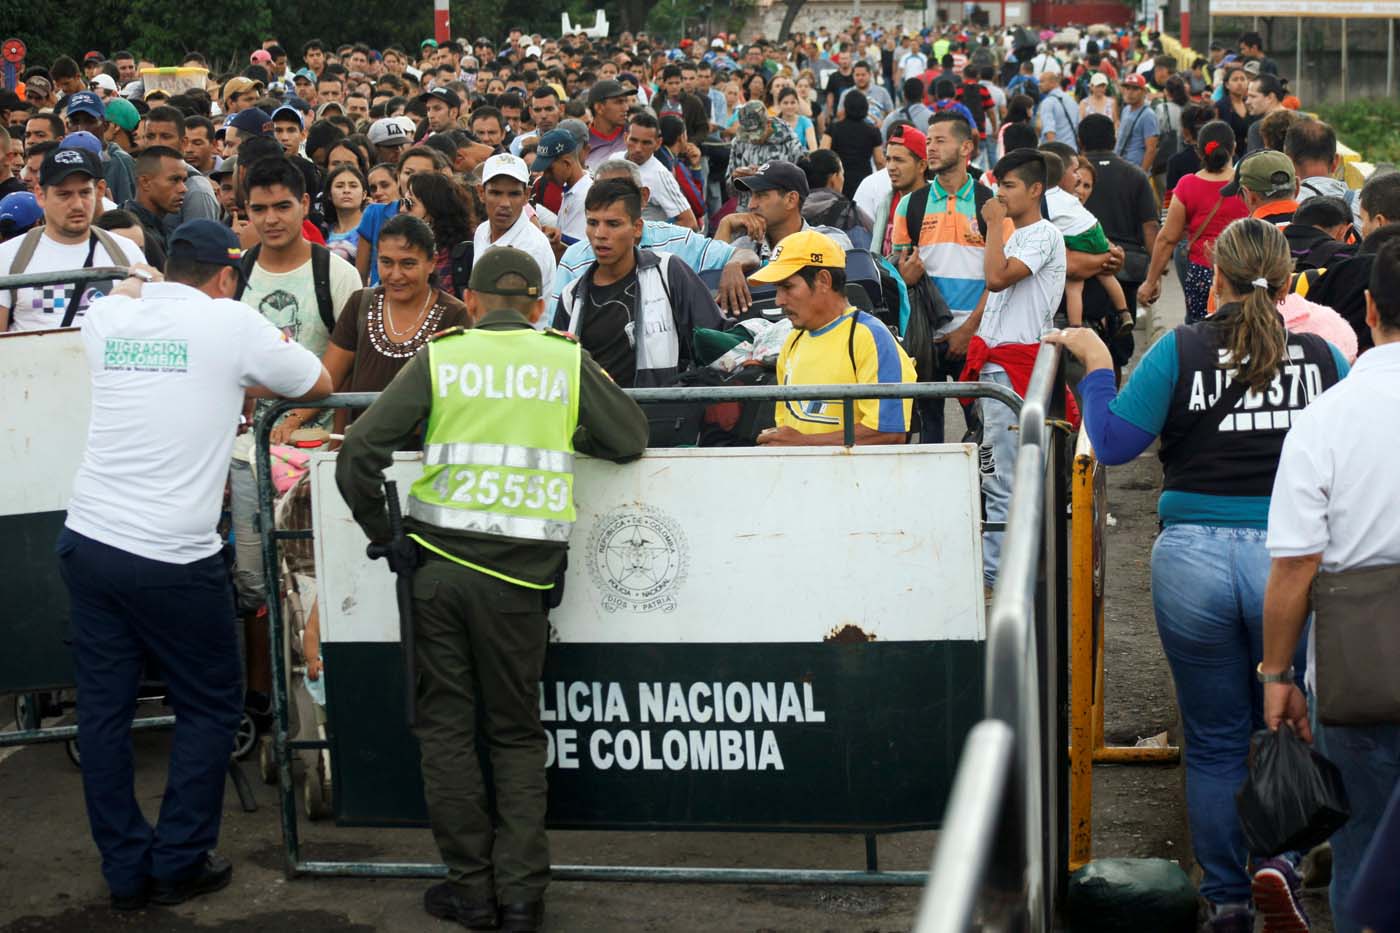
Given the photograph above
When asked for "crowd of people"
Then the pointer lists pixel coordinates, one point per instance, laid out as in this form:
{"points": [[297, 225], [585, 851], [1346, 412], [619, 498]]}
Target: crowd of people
{"points": [[907, 206]]}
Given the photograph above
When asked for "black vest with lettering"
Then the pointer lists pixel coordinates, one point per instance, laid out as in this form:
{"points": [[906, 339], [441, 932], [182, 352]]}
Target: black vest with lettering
{"points": [[1239, 455]]}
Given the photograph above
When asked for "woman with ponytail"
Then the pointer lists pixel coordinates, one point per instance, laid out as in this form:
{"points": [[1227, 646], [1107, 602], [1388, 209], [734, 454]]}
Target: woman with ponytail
{"points": [[1220, 395], [1197, 213]]}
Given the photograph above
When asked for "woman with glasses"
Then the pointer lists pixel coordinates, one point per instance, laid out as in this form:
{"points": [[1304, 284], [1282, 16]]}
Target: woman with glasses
{"points": [[448, 211]]}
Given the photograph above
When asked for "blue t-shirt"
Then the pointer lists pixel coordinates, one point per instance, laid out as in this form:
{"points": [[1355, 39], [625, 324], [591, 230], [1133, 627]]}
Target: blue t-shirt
{"points": [[1122, 427], [371, 221], [1135, 128]]}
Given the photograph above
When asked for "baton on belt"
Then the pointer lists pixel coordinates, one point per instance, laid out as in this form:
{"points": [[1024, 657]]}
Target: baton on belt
{"points": [[400, 552]]}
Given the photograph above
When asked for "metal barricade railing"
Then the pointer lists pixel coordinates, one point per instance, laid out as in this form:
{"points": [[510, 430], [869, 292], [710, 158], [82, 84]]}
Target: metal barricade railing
{"points": [[1002, 856], [284, 746], [37, 734]]}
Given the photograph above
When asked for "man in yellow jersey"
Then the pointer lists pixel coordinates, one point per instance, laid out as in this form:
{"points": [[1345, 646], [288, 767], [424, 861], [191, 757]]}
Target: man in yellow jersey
{"points": [[831, 343], [506, 407]]}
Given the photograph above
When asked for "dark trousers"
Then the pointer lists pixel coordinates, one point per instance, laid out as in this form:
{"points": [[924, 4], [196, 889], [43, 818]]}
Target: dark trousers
{"points": [[480, 646], [126, 609], [945, 369]]}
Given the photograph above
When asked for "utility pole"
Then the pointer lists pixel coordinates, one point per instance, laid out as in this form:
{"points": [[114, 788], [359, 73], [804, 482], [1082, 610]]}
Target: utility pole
{"points": [[442, 21]]}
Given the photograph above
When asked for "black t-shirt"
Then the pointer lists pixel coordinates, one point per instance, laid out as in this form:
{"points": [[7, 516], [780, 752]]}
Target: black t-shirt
{"points": [[836, 84], [1122, 199], [853, 142], [1240, 124], [1186, 162], [606, 326]]}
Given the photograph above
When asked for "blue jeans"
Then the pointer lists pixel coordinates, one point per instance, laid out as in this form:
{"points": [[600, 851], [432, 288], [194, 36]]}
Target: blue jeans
{"points": [[997, 456], [1369, 759], [126, 609], [1208, 596]]}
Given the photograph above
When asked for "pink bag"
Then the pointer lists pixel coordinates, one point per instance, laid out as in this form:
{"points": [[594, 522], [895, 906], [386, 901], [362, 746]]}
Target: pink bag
{"points": [[289, 464]]}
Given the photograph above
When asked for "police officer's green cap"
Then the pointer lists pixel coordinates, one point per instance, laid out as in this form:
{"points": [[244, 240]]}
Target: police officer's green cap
{"points": [[500, 261]]}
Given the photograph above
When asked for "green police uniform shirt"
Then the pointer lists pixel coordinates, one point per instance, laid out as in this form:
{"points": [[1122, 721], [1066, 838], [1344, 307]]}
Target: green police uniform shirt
{"points": [[609, 425]]}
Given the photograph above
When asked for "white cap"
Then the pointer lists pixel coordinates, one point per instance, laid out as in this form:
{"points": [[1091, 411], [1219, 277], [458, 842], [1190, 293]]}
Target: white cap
{"points": [[716, 43], [1098, 78], [532, 52], [104, 81], [508, 165], [389, 132], [413, 73]]}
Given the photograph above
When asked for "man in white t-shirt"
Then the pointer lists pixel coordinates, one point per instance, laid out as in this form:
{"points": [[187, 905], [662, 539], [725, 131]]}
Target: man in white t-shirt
{"points": [[1026, 279], [141, 556], [67, 240], [666, 202], [505, 184], [281, 286]]}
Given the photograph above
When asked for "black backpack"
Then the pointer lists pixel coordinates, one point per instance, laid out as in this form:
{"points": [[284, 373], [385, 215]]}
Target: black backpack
{"points": [[320, 277], [461, 257], [928, 310]]}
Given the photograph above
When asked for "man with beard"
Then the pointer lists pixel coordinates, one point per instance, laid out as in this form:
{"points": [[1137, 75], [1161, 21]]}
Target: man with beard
{"points": [[67, 240]]}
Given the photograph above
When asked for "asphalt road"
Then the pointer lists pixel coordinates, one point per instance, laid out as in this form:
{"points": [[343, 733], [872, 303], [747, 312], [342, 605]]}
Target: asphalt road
{"points": [[50, 880]]}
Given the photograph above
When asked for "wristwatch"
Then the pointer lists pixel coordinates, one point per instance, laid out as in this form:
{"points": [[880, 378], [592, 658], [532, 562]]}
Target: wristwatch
{"points": [[1286, 677]]}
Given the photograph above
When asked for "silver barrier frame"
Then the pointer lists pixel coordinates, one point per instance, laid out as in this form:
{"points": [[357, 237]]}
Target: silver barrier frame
{"points": [[1002, 857]]}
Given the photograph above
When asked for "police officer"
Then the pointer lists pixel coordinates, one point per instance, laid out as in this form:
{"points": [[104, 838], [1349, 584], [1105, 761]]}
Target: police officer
{"points": [[506, 406], [141, 558]]}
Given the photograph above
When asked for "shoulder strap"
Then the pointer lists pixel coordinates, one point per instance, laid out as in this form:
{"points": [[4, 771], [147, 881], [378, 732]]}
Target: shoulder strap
{"points": [[1073, 127], [250, 262], [321, 278], [1127, 134], [851, 343], [27, 246], [1205, 223], [110, 245], [914, 216]]}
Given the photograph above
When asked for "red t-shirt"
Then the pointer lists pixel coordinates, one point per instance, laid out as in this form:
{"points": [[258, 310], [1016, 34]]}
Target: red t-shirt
{"points": [[1199, 196]]}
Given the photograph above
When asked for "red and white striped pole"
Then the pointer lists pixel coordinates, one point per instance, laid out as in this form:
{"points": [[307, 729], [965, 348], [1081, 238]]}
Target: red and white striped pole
{"points": [[442, 22]]}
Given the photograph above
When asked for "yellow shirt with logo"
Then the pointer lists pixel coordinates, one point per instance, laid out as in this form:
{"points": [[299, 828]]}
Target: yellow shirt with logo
{"points": [[834, 355]]}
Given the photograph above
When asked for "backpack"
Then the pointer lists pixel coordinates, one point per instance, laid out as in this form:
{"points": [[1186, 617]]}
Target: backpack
{"points": [[970, 95], [461, 258], [30, 244], [320, 277], [1168, 137]]}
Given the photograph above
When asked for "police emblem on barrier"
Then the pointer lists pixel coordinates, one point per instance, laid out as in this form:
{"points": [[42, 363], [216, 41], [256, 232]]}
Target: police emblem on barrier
{"points": [[638, 558]]}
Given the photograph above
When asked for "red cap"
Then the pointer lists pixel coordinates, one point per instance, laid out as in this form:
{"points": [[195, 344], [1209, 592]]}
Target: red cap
{"points": [[686, 43], [93, 56], [913, 140], [1133, 80]]}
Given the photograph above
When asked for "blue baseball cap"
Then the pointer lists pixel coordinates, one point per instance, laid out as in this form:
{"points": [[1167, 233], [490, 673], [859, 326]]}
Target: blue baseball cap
{"points": [[252, 122], [82, 139], [291, 112], [306, 74], [18, 212], [206, 241], [87, 102], [552, 145]]}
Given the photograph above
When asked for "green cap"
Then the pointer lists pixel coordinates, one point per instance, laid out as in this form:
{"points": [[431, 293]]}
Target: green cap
{"points": [[500, 261], [123, 113], [1268, 173]]}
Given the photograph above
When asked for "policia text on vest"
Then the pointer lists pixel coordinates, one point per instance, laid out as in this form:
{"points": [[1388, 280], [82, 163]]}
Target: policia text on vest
{"points": [[506, 408]]}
